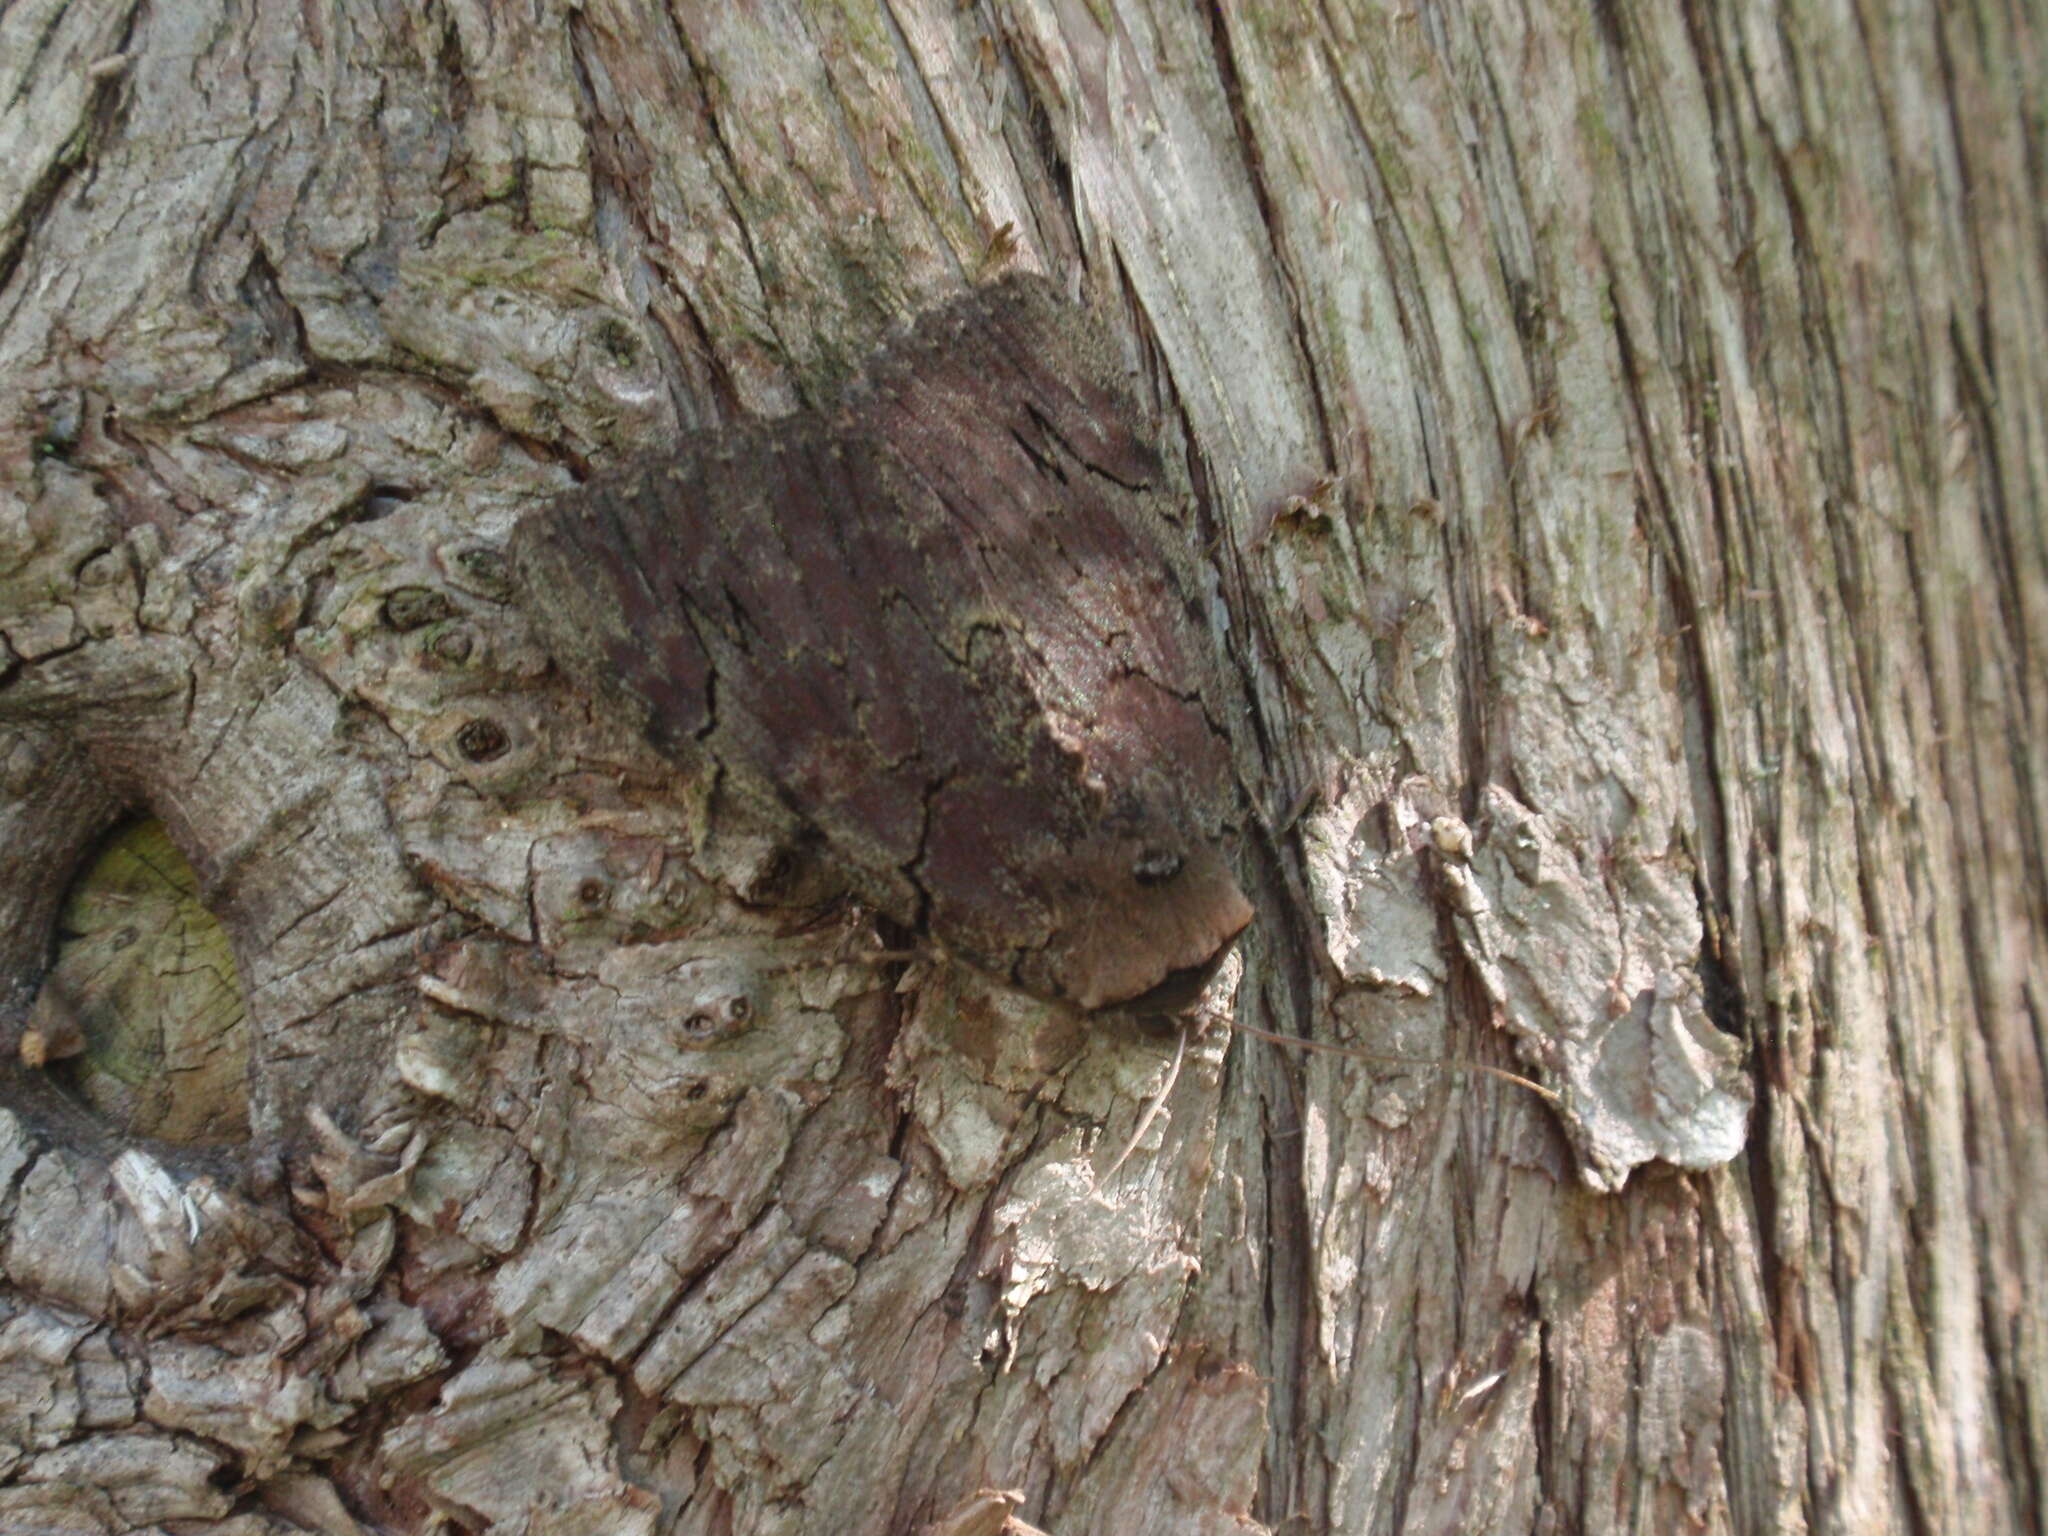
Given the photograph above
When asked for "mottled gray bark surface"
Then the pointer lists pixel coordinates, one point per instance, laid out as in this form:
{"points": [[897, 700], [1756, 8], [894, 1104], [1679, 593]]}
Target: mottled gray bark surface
{"points": [[1615, 435]]}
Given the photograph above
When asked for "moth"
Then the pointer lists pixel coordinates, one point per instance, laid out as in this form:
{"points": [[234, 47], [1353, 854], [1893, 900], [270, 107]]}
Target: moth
{"points": [[950, 624]]}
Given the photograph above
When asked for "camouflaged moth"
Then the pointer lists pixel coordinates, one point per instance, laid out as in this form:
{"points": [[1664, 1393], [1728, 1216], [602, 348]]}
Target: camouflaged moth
{"points": [[952, 625]]}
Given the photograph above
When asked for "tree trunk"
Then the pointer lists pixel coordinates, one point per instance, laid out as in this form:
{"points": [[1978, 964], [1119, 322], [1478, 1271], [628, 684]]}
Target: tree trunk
{"points": [[1614, 435]]}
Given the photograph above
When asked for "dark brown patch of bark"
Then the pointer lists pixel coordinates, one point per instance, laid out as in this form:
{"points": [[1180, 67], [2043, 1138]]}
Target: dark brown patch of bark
{"points": [[952, 625]]}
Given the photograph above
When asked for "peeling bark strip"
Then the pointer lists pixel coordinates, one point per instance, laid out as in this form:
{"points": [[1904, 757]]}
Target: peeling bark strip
{"points": [[953, 627]]}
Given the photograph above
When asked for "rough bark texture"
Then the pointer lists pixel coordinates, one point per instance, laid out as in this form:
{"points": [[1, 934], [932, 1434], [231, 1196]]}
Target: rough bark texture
{"points": [[1616, 434]]}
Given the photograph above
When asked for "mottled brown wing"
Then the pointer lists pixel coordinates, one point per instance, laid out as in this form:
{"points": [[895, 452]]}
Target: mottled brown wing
{"points": [[951, 625]]}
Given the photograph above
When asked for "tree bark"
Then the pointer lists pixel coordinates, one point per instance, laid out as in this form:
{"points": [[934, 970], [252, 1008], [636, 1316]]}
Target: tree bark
{"points": [[1614, 438]]}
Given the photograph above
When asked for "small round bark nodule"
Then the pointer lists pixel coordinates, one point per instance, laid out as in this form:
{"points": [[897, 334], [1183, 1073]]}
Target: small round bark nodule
{"points": [[482, 740]]}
